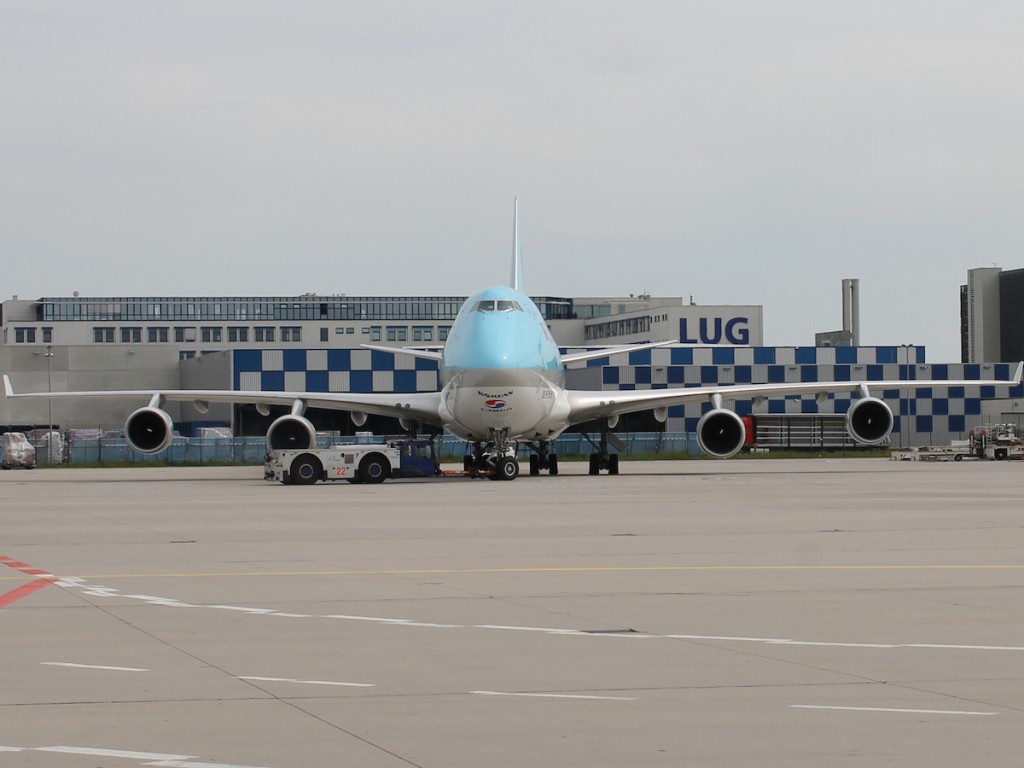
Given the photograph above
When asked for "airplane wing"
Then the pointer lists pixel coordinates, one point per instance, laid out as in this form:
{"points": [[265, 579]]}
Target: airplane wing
{"points": [[587, 405], [594, 354], [418, 406], [429, 353]]}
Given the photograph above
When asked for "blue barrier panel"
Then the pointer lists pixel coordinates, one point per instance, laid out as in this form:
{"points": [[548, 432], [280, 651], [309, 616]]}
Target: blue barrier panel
{"points": [[252, 450]]}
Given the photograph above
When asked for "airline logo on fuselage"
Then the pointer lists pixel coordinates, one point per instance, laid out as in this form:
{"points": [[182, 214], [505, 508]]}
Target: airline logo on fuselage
{"points": [[495, 402]]}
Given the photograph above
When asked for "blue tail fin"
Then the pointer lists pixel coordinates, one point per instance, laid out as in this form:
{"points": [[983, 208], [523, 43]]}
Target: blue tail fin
{"points": [[517, 259]]}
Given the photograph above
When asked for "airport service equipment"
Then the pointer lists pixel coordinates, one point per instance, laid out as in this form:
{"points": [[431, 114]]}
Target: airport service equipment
{"points": [[354, 463], [18, 451]]}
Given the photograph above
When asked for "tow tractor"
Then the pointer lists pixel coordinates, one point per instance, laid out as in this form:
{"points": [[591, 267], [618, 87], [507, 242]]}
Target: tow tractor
{"points": [[363, 463], [354, 463]]}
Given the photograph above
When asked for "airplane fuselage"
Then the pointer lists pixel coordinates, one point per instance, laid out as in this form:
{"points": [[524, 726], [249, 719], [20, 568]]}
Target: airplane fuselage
{"points": [[501, 371]]}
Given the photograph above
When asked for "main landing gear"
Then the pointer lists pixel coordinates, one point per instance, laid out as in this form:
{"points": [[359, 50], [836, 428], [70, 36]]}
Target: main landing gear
{"points": [[543, 458], [601, 458]]}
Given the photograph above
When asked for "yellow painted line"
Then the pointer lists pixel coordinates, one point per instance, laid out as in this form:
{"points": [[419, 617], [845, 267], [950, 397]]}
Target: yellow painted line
{"points": [[593, 569]]}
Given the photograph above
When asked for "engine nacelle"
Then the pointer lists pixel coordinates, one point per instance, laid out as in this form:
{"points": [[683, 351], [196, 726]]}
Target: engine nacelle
{"points": [[721, 433], [291, 432], [869, 420], [149, 430]]}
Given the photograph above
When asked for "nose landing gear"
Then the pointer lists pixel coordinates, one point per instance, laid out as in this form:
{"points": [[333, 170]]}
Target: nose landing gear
{"points": [[495, 459]]}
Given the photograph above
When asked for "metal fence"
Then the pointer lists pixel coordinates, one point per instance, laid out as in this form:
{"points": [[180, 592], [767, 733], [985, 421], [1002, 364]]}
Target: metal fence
{"points": [[252, 450]]}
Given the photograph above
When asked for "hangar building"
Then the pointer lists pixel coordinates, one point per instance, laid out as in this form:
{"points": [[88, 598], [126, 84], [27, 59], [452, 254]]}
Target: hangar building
{"points": [[312, 343]]}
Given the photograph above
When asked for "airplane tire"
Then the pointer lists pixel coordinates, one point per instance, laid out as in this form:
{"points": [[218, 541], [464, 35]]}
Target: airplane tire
{"points": [[552, 464], [613, 464], [507, 468], [534, 464], [595, 464], [305, 470], [373, 469]]}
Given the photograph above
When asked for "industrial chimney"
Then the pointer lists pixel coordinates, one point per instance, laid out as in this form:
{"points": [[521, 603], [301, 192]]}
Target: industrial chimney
{"points": [[851, 309]]}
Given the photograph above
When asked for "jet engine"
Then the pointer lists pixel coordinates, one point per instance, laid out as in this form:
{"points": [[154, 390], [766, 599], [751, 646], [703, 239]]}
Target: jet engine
{"points": [[721, 433], [149, 430], [292, 431], [869, 420]]}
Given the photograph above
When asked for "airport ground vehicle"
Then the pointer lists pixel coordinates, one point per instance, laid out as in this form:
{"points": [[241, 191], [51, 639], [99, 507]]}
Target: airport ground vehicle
{"points": [[996, 442], [18, 451], [354, 463]]}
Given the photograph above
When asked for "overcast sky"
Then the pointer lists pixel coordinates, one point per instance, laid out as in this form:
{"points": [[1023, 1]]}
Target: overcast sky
{"points": [[739, 152]]}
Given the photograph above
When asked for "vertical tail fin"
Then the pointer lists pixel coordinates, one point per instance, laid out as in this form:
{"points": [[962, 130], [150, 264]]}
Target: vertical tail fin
{"points": [[517, 260]]}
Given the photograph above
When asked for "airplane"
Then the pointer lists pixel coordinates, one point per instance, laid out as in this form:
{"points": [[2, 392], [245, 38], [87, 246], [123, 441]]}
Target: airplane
{"points": [[502, 384]]}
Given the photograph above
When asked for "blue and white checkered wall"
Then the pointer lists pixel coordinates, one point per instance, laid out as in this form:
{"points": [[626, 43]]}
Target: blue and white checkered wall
{"points": [[332, 370], [930, 415]]}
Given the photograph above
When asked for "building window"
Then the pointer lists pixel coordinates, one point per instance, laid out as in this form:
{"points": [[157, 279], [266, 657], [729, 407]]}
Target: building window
{"points": [[47, 335], [291, 333], [103, 335], [374, 333], [184, 334], [131, 335], [238, 333], [422, 333], [24, 335], [262, 333], [324, 335], [186, 355], [212, 334], [442, 332], [156, 334]]}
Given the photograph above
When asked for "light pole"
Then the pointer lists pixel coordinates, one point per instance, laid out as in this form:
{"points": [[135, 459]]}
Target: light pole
{"points": [[49, 403]]}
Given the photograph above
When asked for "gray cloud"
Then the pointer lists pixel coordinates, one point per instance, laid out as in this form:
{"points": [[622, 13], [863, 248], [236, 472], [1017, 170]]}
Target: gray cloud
{"points": [[740, 152]]}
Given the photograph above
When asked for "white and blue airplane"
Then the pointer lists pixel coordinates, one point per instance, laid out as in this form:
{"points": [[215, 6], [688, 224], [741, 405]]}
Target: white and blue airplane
{"points": [[502, 385]]}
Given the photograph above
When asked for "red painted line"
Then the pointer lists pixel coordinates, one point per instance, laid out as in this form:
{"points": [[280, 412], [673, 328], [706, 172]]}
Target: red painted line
{"points": [[23, 591], [26, 590]]}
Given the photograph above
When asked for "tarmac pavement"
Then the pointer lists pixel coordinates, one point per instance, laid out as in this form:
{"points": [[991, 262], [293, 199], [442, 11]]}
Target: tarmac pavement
{"points": [[750, 612]]}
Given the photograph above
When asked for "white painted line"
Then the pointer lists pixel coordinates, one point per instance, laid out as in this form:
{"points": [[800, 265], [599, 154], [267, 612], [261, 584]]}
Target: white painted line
{"points": [[12, 749], [112, 753], [547, 630], [243, 609], [99, 590], [365, 618], [396, 622], [306, 682], [92, 666], [824, 644], [190, 764], [891, 709], [554, 696]]}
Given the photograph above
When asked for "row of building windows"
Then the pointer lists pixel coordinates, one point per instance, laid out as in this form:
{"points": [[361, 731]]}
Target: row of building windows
{"points": [[280, 308], [29, 336], [298, 308], [235, 334], [207, 334], [626, 327]]}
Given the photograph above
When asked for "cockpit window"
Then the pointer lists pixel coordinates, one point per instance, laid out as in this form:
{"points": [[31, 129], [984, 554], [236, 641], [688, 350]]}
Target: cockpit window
{"points": [[501, 305]]}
